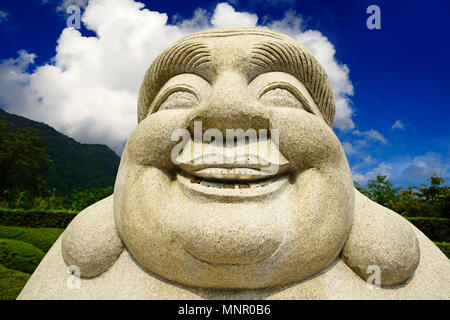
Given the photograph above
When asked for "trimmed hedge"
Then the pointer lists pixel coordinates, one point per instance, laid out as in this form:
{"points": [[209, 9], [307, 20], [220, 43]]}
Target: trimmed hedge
{"points": [[444, 246], [437, 229], [20, 256], [41, 238], [11, 283], [36, 219]]}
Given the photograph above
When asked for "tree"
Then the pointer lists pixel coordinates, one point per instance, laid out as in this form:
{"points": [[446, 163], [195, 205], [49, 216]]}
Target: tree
{"points": [[435, 190], [426, 201], [382, 191], [422, 201], [23, 159]]}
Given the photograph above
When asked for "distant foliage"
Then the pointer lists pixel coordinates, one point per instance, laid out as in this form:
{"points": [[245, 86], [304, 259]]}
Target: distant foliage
{"points": [[382, 191], [81, 199], [74, 165], [36, 218], [23, 161], [75, 201], [425, 201], [437, 229], [431, 200]]}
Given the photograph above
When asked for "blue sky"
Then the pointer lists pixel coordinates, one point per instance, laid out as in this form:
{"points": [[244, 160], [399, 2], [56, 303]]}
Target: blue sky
{"points": [[392, 84]]}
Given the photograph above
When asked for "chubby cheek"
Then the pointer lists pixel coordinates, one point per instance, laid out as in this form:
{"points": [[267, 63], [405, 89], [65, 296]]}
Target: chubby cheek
{"points": [[306, 140], [151, 143]]}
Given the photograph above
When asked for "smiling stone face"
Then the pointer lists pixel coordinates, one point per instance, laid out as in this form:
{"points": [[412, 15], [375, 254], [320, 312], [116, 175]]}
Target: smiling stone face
{"points": [[224, 222], [233, 178]]}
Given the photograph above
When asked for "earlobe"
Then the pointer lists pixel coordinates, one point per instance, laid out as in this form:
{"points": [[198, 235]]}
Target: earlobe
{"points": [[380, 238], [91, 242]]}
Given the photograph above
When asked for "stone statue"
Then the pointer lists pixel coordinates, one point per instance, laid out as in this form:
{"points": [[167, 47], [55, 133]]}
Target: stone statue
{"points": [[179, 229]]}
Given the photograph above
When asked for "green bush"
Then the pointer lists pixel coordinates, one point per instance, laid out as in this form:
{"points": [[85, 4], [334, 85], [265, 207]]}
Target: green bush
{"points": [[20, 256], [36, 219], [41, 238], [11, 283], [444, 246], [81, 199], [437, 229], [47, 201]]}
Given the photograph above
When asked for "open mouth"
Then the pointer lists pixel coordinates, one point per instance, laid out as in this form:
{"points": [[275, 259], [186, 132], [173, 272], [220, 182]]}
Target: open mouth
{"points": [[233, 173], [230, 190], [246, 171]]}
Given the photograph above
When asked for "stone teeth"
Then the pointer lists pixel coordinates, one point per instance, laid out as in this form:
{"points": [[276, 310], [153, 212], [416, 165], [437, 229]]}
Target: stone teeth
{"points": [[205, 183], [215, 185], [228, 185], [230, 171]]}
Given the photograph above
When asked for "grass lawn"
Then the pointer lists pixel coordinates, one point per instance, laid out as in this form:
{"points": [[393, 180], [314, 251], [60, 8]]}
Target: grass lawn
{"points": [[20, 256], [42, 238], [21, 251], [11, 283]]}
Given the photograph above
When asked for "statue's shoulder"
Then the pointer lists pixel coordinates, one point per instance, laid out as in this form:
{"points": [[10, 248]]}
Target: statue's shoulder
{"points": [[91, 242], [381, 238]]}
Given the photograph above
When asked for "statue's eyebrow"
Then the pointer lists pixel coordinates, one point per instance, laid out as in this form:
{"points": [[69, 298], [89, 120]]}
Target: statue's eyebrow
{"points": [[273, 55], [183, 57], [290, 57]]}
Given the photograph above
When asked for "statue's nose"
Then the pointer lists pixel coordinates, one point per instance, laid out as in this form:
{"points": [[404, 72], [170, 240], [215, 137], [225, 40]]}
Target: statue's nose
{"points": [[231, 106]]}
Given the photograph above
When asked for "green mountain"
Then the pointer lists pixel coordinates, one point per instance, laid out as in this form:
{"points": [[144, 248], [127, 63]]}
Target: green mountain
{"points": [[75, 165]]}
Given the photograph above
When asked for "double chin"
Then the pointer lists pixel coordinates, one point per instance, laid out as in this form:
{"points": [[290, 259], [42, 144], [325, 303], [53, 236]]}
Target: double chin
{"points": [[172, 233]]}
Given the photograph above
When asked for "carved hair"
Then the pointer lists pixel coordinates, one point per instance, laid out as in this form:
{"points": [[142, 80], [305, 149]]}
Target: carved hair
{"points": [[280, 53]]}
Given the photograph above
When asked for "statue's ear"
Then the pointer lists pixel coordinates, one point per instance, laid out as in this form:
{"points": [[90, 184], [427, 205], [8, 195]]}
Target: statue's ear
{"points": [[380, 238], [91, 242]]}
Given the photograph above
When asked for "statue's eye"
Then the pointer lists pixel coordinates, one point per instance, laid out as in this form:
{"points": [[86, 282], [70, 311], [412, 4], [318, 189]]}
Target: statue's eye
{"points": [[179, 100], [279, 97]]}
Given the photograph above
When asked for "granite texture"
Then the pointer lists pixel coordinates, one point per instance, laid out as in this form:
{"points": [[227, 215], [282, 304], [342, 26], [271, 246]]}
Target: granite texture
{"points": [[126, 279], [176, 229]]}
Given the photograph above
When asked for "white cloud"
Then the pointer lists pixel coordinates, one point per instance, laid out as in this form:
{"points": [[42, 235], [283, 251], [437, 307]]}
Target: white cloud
{"points": [[226, 16], [422, 167], [404, 170], [382, 169], [14, 80], [199, 21], [348, 148], [89, 90], [4, 15], [398, 125], [358, 177], [324, 51], [371, 135], [368, 160]]}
